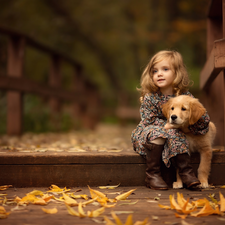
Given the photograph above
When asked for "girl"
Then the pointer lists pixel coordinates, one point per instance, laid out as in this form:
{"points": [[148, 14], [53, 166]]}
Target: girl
{"points": [[164, 77]]}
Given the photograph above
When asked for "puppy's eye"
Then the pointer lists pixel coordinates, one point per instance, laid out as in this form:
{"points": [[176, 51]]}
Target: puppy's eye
{"points": [[172, 108], [183, 109]]}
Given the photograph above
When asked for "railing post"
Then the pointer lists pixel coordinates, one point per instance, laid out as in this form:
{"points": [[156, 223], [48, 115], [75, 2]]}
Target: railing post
{"points": [[55, 80], [15, 66]]}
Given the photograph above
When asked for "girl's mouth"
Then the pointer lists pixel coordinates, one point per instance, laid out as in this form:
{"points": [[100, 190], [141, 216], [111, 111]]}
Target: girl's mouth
{"points": [[161, 80]]}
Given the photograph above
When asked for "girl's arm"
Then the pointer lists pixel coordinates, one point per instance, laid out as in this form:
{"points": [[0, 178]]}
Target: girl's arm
{"points": [[150, 112], [201, 126]]}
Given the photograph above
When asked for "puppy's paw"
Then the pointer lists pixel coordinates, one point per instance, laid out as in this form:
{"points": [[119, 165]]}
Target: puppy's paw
{"points": [[177, 185], [203, 184]]}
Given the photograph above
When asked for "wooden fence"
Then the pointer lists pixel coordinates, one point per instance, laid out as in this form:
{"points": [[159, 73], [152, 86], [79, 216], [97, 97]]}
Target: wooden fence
{"points": [[212, 76], [84, 96]]}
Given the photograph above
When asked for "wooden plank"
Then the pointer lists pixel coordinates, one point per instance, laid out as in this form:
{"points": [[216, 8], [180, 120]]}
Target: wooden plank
{"points": [[15, 66], [27, 86], [214, 64]]}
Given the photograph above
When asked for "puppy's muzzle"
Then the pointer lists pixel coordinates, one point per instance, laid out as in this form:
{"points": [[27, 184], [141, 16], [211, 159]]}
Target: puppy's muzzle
{"points": [[173, 118]]}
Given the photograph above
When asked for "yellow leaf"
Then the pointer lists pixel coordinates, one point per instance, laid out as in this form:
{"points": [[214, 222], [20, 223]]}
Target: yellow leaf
{"points": [[116, 218], [174, 204], [3, 213], [69, 201], [108, 221], [96, 212], [95, 193], [55, 188], [50, 211], [79, 196], [81, 211], [47, 197], [109, 187], [125, 195], [71, 211], [129, 220], [36, 192], [164, 206], [145, 222], [199, 203], [222, 203], [88, 202], [180, 216], [4, 187], [206, 210], [222, 186], [188, 209], [39, 201]]}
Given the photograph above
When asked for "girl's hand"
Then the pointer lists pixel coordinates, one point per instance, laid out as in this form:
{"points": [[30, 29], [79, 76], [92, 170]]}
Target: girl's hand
{"points": [[170, 126]]}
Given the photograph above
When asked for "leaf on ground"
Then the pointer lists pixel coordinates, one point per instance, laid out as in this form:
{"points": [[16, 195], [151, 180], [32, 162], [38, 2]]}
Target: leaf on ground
{"points": [[79, 196], [96, 213], [144, 222], [129, 220], [50, 211], [108, 221], [164, 206], [174, 205], [80, 210], [95, 193], [180, 216], [125, 195], [206, 210], [69, 201], [4, 187], [71, 211], [129, 203], [222, 203], [222, 186], [116, 218], [56, 189], [109, 186], [35, 193], [3, 213]]}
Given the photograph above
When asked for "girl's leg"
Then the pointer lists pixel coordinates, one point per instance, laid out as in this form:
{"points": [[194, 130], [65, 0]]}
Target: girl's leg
{"points": [[153, 161]]}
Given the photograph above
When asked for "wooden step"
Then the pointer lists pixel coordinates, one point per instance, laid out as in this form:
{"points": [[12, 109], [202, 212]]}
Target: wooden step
{"points": [[81, 169]]}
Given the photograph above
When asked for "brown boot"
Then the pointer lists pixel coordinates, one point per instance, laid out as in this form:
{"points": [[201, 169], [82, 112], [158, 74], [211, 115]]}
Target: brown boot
{"points": [[153, 162], [182, 163]]}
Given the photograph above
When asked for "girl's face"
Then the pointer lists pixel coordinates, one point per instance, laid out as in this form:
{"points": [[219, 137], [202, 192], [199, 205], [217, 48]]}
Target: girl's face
{"points": [[163, 76]]}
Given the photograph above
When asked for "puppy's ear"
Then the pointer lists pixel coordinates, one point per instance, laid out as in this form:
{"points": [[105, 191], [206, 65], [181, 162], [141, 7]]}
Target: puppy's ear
{"points": [[196, 111], [166, 109]]}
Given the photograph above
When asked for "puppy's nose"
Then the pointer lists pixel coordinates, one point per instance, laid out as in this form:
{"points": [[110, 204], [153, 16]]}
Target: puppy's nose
{"points": [[173, 117]]}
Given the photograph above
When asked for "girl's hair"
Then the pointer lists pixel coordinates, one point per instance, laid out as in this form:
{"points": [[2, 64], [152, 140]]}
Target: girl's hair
{"points": [[181, 81]]}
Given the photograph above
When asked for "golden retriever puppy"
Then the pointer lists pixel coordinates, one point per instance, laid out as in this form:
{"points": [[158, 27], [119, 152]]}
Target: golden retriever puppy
{"points": [[181, 112]]}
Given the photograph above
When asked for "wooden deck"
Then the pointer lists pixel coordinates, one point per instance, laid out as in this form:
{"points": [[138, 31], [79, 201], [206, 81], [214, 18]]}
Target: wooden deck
{"points": [[146, 207]]}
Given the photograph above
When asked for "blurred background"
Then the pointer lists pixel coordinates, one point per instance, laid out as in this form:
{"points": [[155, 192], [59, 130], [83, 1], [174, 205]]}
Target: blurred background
{"points": [[113, 40]]}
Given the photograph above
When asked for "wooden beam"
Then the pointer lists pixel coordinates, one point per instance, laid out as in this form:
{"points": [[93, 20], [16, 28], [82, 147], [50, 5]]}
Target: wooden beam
{"points": [[214, 64], [15, 65]]}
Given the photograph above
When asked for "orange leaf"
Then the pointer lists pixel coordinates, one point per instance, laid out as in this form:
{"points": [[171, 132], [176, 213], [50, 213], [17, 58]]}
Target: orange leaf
{"points": [[180, 216], [222, 203]]}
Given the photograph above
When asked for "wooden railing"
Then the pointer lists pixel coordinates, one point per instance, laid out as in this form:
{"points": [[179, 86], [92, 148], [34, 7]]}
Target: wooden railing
{"points": [[212, 77], [84, 96]]}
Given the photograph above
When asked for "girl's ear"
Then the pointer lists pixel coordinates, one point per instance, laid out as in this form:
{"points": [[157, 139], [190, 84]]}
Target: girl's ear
{"points": [[196, 111], [166, 109]]}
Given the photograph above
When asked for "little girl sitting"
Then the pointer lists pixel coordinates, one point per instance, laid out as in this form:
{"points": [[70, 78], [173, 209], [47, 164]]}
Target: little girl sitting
{"points": [[164, 77]]}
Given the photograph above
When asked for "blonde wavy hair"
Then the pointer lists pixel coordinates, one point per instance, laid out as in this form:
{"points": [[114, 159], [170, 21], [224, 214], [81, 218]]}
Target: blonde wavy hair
{"points": [[181, 82]]}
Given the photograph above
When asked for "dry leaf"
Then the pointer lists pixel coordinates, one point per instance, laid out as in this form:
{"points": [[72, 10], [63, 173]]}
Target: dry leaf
{"points": [[35, 193], [222, 186], [108, 221], [71, 211], [129, 220], [56, 189], [206, 210], [164, 206], [116, 218], [222, 203], [3, 213], [4, 187], [95, 193], [80, 210], [129, 203], [69, 201], [96, 213], [180, 216], [145, 222], [125, 195], [50, 211], [109, 187], [79, 196]]}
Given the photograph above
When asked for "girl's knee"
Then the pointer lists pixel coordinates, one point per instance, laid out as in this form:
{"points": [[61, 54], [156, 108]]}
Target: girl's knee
{"points": [[159, 141]]}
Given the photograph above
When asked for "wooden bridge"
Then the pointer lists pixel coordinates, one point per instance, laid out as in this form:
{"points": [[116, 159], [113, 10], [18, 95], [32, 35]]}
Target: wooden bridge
{"points": [[86, 102]]}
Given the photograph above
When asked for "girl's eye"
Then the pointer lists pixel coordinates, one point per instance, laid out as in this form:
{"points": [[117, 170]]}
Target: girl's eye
{"points": [[172, 108], [154, 71], [183, 109], [166, 69]]}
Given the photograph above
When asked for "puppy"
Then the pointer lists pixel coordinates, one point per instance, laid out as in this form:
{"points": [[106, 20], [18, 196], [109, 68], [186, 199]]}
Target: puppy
{"points": [[181, 112]]}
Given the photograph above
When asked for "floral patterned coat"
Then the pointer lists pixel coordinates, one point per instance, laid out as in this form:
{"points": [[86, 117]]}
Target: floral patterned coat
{"points": [[152, 125]]}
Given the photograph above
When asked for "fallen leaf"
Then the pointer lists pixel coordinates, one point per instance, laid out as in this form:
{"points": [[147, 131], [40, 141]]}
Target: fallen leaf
{"points": [[145, 222], [71, 211], [164, 206], [129, 220], [95, 193], [180, 216], [109, 187], [35, 193], [96, 213], [80, 210], [125, 195], [222, 186], [222, 203], [116, 218], [129, 203], [108, 221], [56, 189], [79, 196], [50, 211], [3, 213], [206, 210], [4, 187], [69, 201]]}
